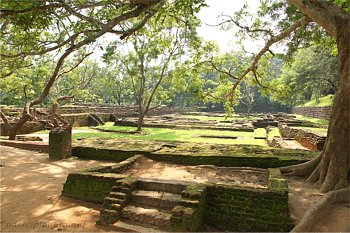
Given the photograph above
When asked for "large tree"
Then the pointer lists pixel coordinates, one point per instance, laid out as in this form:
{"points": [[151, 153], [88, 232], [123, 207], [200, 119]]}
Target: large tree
{"points": [[61, 28], [304, 21], [330, 170], [151, 55]]}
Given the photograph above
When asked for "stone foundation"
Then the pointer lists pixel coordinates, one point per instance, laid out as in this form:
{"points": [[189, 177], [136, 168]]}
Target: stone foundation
{"points": [[182, 206], [247, 209], [306, 138]]}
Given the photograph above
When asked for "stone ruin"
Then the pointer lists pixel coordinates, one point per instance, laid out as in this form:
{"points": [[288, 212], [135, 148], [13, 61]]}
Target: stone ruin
{"points": [[273, 120], [308, 139], [60, 142], [141, 204], [177, 122]]}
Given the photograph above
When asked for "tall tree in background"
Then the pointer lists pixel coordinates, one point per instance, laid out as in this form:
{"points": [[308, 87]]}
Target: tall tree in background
{"points": [[34, 28], [311, 74], [152, 54]]}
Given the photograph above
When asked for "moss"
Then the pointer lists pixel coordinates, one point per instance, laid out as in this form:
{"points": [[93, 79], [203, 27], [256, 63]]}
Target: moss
{"points": [[276, 181], [89, 186], [247, 209]]}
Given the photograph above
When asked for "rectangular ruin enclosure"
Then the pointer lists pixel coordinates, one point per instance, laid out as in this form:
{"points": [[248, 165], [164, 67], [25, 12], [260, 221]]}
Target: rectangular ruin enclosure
{"points": [[236, 199]]}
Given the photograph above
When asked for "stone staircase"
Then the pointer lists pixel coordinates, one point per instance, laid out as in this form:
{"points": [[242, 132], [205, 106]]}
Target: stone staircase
{"points": [[153, 205], [95, 120]]}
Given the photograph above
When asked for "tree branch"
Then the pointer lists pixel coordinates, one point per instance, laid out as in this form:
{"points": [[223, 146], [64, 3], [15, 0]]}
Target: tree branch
{"points": [[301, 22]]}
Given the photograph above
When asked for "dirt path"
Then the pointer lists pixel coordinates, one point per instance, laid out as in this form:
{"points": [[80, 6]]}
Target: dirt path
{"points": [[31, 185]]}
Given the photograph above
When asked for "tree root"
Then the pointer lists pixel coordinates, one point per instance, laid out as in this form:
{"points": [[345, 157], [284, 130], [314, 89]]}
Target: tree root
{"points": [[303, 169], [320, 209]]}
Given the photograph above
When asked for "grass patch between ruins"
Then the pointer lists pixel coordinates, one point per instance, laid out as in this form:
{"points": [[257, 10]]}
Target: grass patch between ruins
{"points": [[321, 122], [188, 135], [218, 118]]}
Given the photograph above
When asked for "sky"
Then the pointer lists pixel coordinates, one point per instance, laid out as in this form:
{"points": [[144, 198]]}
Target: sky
{"points": [[209, 15]]}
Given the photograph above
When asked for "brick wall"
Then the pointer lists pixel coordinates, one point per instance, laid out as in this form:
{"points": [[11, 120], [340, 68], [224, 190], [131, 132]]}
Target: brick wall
{"points": [[237, 208], [316, 112]]}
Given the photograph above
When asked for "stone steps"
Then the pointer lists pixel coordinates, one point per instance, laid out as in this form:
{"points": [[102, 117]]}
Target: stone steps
{"points": [[170, 186], [160, 200], [124, 225], [147, 215], [152, 205]]}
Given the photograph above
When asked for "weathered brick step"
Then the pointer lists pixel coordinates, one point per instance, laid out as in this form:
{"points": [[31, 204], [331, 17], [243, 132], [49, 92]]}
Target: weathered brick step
{"points": [[124, 225], [171, 186], [119, 195], [148, 216], [111, 200], [120, 189], [160, 200]]}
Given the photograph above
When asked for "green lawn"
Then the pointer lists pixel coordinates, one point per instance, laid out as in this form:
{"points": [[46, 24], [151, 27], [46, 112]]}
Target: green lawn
{"points": [[324, 101], [164, 134], [322, 131], [274, 132], [321, 122]]}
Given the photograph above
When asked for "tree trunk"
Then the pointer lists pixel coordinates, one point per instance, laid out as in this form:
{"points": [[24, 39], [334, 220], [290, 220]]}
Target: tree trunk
{"points": [[331, 170], [140, 122], [12, 133]]}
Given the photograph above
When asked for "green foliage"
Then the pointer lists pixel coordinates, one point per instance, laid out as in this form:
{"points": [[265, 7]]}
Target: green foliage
{"points": [[150, 61], [27, 82], [311, 75]]}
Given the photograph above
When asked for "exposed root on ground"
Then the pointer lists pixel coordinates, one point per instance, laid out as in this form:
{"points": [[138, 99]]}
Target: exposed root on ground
{"points": [[320, 209], [303, 169]]}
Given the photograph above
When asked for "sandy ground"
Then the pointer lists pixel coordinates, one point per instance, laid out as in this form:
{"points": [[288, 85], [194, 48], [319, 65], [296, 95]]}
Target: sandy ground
{"points": [[205, 173], [31, 185], [302, 196]]}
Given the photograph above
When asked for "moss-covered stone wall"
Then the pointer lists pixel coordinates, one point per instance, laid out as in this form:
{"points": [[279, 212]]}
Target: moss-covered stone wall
{"points": [[236, 208], [90, 186], [103, 154], [226, 161]]}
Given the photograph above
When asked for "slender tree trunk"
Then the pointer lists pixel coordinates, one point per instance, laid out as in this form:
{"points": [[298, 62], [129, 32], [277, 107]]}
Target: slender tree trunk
{"points": [[140, 122], [12, 133], [330, 170]]}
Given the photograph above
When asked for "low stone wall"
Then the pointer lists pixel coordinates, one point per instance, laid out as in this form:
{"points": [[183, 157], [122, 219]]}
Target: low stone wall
{"points": [[27, 145], [236, 208], [90, 186], [306, 138], [28, 127], [315, 112], [94, 184], [104, 154], [227, 161]]}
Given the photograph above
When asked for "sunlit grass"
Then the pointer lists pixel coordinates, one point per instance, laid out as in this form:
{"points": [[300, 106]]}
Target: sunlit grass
{"points": [[274, 132], [188, 135], [317, 121], [316, 130], [324, 101]]}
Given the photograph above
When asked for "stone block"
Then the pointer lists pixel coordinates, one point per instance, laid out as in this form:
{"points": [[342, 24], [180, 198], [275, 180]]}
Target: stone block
{"points": [[60, 142]]}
